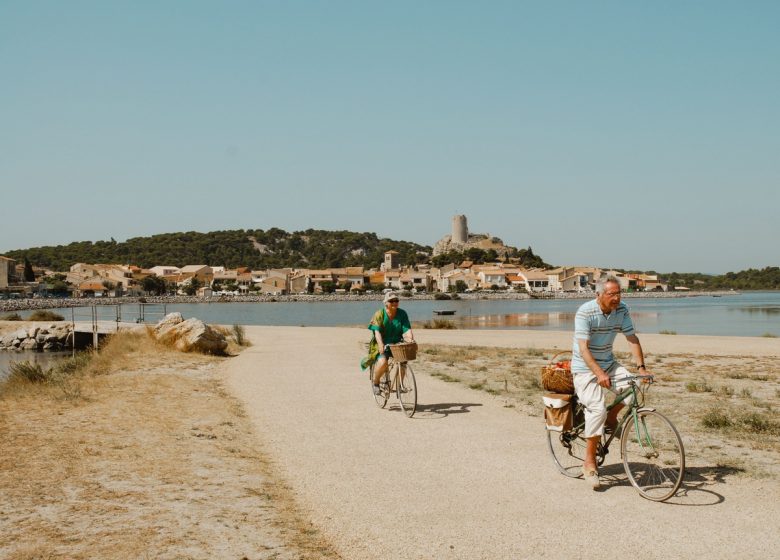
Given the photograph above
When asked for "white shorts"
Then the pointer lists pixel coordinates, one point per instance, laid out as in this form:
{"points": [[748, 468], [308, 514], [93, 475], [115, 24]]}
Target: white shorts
{"points": [[592, 396]]}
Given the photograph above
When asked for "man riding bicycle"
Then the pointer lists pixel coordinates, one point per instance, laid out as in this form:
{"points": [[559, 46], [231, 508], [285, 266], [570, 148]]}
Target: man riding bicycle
{"points": [[389, 325], [594, 367]]}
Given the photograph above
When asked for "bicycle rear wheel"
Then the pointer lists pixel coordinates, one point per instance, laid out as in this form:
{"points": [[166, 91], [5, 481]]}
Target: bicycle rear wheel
{"points": [[567, 450], [406, 388], [653, 455], [384, 387]]}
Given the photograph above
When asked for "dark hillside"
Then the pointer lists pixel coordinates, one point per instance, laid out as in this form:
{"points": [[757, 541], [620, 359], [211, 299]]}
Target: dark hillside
{"points": [[273, 248]]}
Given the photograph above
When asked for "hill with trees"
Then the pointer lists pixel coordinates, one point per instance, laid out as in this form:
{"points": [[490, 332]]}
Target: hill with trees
{"points": [[256, 249]]}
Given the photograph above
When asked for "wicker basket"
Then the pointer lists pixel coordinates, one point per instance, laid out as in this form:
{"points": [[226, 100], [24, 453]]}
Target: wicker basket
{"points": [[404, 351], [556, 376]]}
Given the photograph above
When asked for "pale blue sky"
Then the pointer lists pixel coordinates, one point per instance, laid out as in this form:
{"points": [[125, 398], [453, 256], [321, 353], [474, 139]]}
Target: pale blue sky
{"points": [[628, 134]]}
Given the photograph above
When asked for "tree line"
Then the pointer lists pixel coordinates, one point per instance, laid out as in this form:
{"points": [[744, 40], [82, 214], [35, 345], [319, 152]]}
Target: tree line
{"points": [[255, 249]]}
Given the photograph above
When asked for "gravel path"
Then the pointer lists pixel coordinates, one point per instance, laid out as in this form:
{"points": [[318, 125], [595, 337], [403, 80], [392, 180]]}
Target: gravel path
{"points": [[466, 477]]}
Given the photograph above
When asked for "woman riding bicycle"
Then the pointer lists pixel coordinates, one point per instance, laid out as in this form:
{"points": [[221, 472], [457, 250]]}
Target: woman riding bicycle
{"points": [[389, 325]]}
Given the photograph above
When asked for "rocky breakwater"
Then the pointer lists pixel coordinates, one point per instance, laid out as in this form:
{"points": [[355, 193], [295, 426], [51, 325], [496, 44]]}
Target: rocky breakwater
{"points": [[190, 335], [51, 337]]}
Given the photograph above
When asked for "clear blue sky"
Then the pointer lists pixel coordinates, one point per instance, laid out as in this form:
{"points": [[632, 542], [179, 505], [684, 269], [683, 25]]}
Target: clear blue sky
{"points": [[639, 135]]}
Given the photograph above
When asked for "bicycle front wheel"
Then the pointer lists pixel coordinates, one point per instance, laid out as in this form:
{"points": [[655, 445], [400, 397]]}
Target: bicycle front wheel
{"points": [[653, 455], [567, 450], [406, 387], [384, 392]]}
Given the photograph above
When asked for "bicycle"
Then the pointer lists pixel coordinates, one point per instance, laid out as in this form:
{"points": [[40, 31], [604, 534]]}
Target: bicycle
{"points": [[650, 446], [398, 377]]}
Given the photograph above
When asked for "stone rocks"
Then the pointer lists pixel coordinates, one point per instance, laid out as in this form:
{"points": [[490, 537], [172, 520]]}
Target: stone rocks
{"points": [[52, 337], [190, 335]]}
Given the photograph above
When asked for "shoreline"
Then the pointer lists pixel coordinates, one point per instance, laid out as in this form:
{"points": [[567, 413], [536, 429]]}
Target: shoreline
{"points": [[28, 304]]}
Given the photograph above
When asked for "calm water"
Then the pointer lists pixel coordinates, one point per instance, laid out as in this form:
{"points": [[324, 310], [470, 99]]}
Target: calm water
{"points": [[748, 314]]}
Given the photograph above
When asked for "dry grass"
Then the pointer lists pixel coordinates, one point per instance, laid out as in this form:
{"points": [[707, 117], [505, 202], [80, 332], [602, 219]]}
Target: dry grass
{"points": [[438, 324], [151, 459], [725, 407]]}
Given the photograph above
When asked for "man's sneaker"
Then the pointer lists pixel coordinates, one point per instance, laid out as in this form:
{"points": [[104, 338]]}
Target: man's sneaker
{"points": [[377, 390], [591, 477]]}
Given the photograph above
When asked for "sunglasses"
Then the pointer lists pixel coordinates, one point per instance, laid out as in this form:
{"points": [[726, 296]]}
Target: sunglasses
{"points": [[393, 301]]}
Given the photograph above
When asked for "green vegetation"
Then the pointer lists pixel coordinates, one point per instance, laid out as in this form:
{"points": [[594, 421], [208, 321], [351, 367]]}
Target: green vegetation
{"points": [[751, 422], [45, 315], [439, 324], [752, 279], [273, 248], [698, 387], [526, 257], [11, 317]]}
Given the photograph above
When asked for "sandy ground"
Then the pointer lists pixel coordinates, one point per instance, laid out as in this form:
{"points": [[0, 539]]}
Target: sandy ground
{"points": [[152, 461], [282, 453], [468, 477]]}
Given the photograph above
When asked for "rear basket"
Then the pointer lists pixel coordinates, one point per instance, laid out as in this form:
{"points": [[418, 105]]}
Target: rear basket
{"points": [[556, 376], [558, 412], [404, 352]]}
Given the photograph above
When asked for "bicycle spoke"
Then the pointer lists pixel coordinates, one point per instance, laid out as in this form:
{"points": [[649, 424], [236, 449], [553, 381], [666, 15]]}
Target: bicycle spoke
{"points": [[406, 387], [567, 450], [653, 455], [381, 398]]}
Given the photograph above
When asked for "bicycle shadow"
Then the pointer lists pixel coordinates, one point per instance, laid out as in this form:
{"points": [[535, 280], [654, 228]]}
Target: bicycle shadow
{"points": [[442, 410], [694, 491]]}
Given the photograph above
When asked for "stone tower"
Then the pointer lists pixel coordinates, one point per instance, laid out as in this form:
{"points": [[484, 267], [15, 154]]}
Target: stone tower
{"points": [[460, 230]]}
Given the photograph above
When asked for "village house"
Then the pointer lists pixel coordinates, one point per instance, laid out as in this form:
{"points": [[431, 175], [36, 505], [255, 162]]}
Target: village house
{"points": [[7, 272], [415, 281], [318, 277], [535, 280], [115, 279], [493, 276], [298, 282], [376, 278], [165, 270]]}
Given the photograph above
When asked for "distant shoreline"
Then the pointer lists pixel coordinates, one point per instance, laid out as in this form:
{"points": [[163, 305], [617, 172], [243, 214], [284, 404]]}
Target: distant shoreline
{"points": [[27, 304]]}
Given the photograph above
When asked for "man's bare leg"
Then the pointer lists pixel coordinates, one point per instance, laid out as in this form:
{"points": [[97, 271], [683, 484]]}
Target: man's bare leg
{"points": [[612, 415], [589, 470]]}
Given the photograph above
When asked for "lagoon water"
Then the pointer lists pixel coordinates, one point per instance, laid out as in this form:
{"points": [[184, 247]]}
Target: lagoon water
{"points": [[745, 314]]}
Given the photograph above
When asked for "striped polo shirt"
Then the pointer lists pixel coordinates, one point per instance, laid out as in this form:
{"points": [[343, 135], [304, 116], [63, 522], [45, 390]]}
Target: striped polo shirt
{"points": [[599, 330]]}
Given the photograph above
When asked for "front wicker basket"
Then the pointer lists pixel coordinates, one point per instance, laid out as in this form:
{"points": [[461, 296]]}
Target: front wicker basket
{"points": [[404, 351]]}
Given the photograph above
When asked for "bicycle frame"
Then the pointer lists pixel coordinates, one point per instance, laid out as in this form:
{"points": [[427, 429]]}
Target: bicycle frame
{"points": [[637, 405], [651, 449]]}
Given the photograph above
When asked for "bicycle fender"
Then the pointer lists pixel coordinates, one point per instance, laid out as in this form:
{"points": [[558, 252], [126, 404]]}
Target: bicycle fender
{"points": [[645, 409]]}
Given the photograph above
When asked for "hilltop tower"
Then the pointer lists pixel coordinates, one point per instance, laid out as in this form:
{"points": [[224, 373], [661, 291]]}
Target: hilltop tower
{"points": [[460, 229], [461, 240]]}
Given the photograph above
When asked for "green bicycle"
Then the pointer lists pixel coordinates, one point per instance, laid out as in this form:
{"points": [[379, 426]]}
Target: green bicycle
{"points": [[650, 446]]}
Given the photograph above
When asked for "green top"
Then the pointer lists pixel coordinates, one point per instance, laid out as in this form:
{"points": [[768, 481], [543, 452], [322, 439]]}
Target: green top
{"points": [[392, 332]]}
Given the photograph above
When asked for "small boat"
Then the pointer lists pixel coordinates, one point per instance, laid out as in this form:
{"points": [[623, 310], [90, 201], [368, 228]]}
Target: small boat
{"points": [[444, 311]]}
